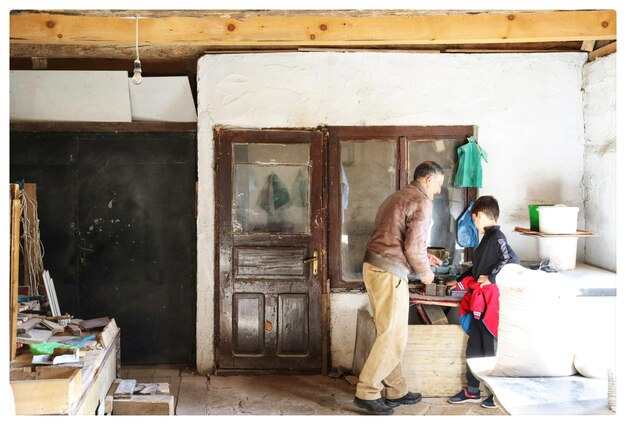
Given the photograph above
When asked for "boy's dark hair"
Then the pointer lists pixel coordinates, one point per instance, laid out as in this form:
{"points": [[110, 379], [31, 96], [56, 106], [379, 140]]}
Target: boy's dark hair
{"points": [[488, 205], [426, 169]]}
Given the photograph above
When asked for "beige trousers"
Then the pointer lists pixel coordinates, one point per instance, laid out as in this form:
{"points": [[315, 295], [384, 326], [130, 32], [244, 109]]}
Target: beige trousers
{"points": [[389, 298]]}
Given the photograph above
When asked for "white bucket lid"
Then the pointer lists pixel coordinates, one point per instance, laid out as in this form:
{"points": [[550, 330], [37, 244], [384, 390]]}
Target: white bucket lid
{"points": [[556, 206]]}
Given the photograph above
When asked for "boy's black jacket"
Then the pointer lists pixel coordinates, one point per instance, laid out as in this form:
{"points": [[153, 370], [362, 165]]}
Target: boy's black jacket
{"points": [[492, 253]]}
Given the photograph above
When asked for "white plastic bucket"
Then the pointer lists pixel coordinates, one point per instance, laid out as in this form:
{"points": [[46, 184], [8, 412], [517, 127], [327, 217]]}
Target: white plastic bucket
{"points": [[558, 219], [560, 250]]}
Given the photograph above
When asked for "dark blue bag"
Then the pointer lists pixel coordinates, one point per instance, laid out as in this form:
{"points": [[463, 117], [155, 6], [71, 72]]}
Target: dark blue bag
{"points": [[466, 231]]}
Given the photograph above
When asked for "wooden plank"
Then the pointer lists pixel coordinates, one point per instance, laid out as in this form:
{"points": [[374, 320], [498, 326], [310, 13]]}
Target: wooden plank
{"points": [[97, 127], [35, 336], [54, 327], [28, 325], [100, 322], [51, 294], [14, 269], [528, 232], [74, 329], [107, 336], [273, 29], [603, 51], [144, 405], [435, 314], [588, 45], [434, 300], [125, 388], [96, 385]]}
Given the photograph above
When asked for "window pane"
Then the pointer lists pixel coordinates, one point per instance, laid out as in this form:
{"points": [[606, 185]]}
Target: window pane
{"points": [[448, 205], [368, 177], [271, 188]]}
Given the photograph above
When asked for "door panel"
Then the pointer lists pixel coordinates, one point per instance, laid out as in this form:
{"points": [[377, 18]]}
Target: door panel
{"points": [[270, 229], [275, 263]]}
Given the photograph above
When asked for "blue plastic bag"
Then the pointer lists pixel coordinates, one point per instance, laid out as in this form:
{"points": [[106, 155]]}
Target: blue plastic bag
{"points": [[466, 231]]}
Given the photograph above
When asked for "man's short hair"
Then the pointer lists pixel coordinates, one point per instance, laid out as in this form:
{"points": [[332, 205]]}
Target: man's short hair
{"points": [[427, 168], [488, 205]]}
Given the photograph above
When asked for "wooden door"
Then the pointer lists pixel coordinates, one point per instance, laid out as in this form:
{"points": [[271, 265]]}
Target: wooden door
{"points": [[271, 240]]}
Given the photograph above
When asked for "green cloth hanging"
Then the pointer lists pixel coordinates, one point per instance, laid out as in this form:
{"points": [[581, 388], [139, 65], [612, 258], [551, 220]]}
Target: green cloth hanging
{"points": [[470, 171], [274, 194]]}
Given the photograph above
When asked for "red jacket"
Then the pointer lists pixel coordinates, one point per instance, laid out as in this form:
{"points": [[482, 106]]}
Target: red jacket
{"points": [[483, 303]]}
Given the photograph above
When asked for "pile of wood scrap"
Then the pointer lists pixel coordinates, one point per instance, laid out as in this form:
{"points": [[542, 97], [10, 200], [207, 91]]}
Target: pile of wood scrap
{"points": [[62, 336], [127, 397]]}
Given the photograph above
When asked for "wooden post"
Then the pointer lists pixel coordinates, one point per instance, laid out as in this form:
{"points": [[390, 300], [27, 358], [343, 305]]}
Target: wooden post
{"points": [[14, 267]]}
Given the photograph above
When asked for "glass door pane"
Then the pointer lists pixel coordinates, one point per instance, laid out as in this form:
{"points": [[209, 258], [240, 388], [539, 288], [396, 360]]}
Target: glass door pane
{"points": [[369, 175], [448, 205], [271, 188]]}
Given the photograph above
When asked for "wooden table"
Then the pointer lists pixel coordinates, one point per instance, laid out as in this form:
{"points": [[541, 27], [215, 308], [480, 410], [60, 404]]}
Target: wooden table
{"points": [[419, 300]]}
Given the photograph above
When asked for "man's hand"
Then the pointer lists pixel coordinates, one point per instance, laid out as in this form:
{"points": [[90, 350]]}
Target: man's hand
{"points": [[451, 283], [427, 277], [434, 261]]}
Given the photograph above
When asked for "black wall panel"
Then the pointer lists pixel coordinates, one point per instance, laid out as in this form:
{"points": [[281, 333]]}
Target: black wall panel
{"points": [[117, 220]]}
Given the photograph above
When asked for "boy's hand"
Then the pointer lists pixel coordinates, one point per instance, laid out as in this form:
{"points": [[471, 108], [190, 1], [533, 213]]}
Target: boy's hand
{"points": [[451, 283], [434, 261], [483, 280]]}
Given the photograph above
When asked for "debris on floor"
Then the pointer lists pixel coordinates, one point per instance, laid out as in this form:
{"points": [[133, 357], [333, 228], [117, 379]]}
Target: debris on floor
{"points": [[127, 397]]}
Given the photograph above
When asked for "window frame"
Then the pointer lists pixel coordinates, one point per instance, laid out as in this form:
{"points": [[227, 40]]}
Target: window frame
{"points": [[402, 136]]}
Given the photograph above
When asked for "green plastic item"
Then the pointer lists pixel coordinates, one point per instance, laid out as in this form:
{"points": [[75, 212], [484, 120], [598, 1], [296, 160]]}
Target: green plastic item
{"points": [[534, 215], [48, 347]]}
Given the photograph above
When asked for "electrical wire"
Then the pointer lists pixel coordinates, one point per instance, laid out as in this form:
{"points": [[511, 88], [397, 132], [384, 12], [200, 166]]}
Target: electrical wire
{"points": [[32, 245]]}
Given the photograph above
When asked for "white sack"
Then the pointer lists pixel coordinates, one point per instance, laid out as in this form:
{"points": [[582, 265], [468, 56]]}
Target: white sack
{"points": [[536, 334], [595, 336]]}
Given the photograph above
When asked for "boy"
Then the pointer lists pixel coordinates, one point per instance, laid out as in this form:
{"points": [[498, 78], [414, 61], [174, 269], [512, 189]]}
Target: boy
{"points": [[480, 306]]}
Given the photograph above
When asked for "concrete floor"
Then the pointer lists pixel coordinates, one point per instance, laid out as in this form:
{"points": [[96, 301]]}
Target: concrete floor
{"points": [[277, 395]]}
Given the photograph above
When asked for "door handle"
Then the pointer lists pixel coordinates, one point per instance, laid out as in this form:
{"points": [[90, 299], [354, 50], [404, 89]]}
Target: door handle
{"points": [[314, 260]]}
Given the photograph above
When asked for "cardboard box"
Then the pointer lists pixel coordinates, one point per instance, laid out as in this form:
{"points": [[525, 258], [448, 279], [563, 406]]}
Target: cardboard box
{"points": [[48, 390]]}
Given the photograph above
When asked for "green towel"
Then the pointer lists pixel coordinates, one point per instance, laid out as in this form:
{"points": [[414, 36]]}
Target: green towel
{"points": [[470, 172]]}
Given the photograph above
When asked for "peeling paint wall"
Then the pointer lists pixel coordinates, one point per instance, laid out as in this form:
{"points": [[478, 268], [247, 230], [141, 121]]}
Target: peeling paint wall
{"points": [[599, 176], [527, 107]]}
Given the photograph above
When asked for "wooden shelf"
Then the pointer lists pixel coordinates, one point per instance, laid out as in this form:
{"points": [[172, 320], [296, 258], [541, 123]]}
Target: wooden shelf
{"points": [[528, 232]]}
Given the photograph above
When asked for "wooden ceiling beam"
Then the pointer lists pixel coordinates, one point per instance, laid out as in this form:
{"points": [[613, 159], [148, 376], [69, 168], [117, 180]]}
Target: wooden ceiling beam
{"points": [[603, 51], [44, 34]]}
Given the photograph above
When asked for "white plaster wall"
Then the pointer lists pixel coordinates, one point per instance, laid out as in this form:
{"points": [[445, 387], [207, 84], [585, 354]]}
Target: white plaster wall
{"points": [[344, 308], [528, 109], [599, 177]]}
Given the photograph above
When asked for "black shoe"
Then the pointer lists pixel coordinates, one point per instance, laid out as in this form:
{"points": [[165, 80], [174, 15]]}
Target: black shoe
{"points": [[464, 396], [409, 398], [374, 407], [488, 403]]}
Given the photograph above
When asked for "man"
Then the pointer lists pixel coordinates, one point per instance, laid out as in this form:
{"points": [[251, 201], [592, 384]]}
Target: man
{"points": [[397, 246]]}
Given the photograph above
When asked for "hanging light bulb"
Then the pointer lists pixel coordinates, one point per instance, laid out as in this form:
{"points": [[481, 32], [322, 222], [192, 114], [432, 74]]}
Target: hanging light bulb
{"points": [[137, 69], [137, 72]]}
